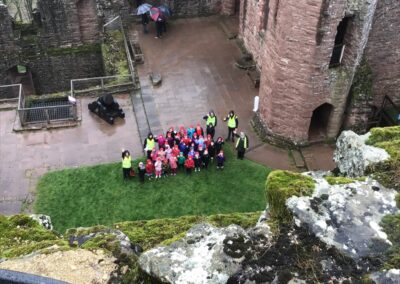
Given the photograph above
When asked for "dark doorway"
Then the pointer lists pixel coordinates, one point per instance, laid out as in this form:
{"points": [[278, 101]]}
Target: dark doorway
{"points": [[338, 49], [20, 74], [319, 122], [237, 7]]}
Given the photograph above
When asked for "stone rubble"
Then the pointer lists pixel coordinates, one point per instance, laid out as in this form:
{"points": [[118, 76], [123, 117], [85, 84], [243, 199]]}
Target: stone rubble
{"points": [[353, 156], [74, 266], [347, 216]]}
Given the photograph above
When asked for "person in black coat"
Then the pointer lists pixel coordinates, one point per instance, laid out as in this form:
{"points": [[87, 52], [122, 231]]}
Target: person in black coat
{"points": [[211, 150], [145, 21], [142, 171], [218, 145], [241, 145], [210, 130], [205, 159]]}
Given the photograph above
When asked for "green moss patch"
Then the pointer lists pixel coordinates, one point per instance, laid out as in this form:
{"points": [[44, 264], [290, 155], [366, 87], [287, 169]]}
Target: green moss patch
{"points": [[20, 235], [78, 49], [342, 180], [283, 184], [150, 233], [387, 172], [114, 54], [384, 134], [391, 226]]}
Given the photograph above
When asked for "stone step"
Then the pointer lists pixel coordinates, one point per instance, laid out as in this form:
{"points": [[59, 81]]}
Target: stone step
{"points": [[298, 159]]}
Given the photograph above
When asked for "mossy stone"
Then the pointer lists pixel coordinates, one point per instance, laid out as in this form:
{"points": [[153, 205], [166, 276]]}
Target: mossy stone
{"points": [[280, 186]]}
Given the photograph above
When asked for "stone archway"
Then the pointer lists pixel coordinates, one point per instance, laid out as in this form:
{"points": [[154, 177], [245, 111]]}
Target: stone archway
{"points": [[319, 122]]}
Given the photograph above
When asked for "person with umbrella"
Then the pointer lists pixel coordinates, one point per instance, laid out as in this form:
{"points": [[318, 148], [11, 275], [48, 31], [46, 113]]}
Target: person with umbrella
{"points": [[142, 10]]}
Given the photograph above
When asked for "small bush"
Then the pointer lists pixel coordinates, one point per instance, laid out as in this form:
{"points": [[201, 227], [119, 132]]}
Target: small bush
{"points": [[391, 226], [280, 186]]}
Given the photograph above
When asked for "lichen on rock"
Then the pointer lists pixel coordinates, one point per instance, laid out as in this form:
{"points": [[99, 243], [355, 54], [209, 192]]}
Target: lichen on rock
{"points": [[353, 155]]}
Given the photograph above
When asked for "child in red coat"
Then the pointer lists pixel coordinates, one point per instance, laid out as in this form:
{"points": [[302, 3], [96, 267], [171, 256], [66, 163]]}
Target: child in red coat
{"points": [[149, 169], [189, 165]]}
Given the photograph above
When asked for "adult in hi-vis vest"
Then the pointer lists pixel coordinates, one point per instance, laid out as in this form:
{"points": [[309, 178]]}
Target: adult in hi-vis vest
{"points": [[233, 123], [241, 144], [211, 123], [149, 144]]}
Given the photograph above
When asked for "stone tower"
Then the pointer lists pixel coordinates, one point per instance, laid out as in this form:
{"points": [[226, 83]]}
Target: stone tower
{"points": [[308, 52]]}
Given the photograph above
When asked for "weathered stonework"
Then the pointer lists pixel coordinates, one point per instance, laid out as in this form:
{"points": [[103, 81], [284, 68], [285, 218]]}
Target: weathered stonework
{"points": [[293, 50], [383, 51]]}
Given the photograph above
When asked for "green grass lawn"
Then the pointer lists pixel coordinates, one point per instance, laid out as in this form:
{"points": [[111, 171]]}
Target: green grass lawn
{"points": [[95, 195]]}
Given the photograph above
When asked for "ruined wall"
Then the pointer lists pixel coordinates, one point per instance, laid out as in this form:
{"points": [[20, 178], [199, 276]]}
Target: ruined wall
{"points": [[53, 73], [383, 51], [295, 77]]}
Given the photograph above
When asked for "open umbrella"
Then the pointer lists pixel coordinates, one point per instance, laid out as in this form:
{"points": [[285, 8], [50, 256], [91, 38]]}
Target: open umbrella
{"points": [[155, 13], [142, 9], [165, 10]]}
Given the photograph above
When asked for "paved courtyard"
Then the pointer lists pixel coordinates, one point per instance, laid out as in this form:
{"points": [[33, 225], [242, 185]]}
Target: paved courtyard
{"points": [[196, 61]]}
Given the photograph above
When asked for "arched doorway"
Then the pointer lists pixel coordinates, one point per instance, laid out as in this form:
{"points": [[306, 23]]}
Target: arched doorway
{"points": [[319, 122]]}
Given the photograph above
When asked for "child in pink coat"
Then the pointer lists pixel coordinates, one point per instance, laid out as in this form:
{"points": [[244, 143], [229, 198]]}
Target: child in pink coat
{"points": [[158, 167], [173, 163]]}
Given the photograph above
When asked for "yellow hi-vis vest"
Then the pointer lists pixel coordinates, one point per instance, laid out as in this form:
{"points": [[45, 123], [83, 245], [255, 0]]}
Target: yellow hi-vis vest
{"points": [[245, 142], [232, 121], [150, 145], [127, 162], [211, 120]]}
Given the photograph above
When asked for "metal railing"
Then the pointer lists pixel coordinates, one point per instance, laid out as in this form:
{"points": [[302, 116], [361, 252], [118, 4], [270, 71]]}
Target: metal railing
{"points": [[101, 85], [10, 93], [44, 110]]}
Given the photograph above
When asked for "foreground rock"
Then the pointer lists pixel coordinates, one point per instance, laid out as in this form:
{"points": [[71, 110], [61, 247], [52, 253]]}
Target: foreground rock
{"points": [[347, 216], [386, 277], [353, 156], [206, 255], [74, 266]]}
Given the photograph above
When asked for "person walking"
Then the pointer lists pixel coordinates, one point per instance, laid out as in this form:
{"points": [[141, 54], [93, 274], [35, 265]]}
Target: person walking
{"points": [[233, 123], [126, 164], [145, 22], [149, 144], [241, 145]]}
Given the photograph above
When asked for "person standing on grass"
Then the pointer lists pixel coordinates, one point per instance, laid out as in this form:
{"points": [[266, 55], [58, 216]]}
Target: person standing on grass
{"points": [[205, 159], [241, 145], [181, 160], [189, 165], [149, 144], [218, 145], [211, 150], [126, 164], [158, 167], [220, 160], [197, 162], [149, 169], [210, 130], [173, 164], [233, 123], [211, 120], [142, 171]]}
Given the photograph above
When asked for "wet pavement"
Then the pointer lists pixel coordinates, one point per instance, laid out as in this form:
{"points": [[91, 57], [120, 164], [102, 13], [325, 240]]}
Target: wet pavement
{"points": [[25, 156], [196, 60]]}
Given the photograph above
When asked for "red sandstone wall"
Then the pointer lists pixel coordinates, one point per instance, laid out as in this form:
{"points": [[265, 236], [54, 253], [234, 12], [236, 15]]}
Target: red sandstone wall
{"points": [[251, 29], [383, 51]]}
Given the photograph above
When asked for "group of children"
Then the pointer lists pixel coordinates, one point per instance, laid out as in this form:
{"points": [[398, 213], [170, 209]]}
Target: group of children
{"points": [[187, 149]]}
